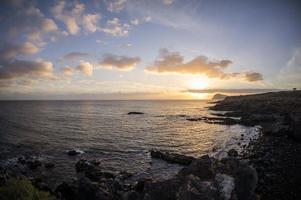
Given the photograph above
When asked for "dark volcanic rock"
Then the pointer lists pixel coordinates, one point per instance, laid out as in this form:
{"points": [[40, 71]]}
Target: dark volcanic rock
{"points": [[172, 157], [33, 164], [135, 113], [67, 191]]}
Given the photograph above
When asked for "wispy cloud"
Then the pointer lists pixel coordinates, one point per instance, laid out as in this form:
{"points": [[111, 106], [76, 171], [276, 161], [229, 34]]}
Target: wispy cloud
{"points": [[73, 56]]}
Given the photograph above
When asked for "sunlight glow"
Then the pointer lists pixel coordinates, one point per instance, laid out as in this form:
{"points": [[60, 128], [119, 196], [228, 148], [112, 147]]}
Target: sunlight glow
{"points": [[199, 82]]}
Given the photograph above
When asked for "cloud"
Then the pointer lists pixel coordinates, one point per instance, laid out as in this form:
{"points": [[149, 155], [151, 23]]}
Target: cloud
{"points": [[73, 56], [122, 63], [173, 63], [26, 21], [29, 69], [68, 71], [168, 2], [85, 67], [135, 22], [72, 15], [115, 5], [10, 51], [90, 22], [253, 76], [115, 28]]}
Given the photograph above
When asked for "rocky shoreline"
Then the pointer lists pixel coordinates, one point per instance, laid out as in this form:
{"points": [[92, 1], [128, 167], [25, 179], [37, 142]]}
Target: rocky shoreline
{"points": [[276, 155], [270, 168]]}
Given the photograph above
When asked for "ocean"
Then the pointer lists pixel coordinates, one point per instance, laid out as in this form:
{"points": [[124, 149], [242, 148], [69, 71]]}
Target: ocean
{"points": [[103, 130]]}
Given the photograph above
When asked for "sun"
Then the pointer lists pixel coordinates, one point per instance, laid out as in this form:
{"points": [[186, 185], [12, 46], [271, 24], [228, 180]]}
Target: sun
{"points": [[199, 82]]}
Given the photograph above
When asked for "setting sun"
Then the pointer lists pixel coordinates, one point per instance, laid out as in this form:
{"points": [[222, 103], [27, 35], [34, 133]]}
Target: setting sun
{"points": [[199, 82]]}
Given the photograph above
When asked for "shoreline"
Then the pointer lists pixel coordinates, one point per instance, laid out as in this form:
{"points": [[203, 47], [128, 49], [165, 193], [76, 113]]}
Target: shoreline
{"points": [[268, 168], [276, 155]]}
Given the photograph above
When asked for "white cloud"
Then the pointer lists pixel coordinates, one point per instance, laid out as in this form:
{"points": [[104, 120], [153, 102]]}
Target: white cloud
{"points": [[135, 22]]}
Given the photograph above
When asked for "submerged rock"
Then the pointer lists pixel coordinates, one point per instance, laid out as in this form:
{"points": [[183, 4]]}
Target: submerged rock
{"points": [[232, 153]]}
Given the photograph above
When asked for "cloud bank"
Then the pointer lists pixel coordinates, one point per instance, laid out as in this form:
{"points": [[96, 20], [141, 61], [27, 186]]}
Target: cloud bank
{"points": [[173, 63]]}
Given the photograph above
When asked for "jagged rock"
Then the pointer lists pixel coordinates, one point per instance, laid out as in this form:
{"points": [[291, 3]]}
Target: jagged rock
{"points": [[172, 157], [225, 186]]}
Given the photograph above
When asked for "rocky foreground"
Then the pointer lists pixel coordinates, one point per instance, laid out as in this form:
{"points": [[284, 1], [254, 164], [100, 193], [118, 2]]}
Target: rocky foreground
{"points": [[276, 156], [202, 178]]}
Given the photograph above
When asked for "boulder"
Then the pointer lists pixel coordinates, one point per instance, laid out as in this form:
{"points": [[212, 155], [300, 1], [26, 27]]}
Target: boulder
{"points": [[74, 152], [67, 191]]}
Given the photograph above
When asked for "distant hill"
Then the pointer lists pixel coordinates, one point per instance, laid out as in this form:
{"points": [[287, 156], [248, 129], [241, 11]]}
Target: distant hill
{"points": [[219, 97]]}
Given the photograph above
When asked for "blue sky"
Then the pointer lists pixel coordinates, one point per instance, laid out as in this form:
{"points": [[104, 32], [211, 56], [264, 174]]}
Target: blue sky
{"points": [[122, 49]]}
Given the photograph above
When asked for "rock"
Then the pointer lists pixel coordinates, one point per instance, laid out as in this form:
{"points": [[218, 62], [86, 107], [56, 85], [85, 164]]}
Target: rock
{"points": [[135, 113], [91, 171], [49, 165], [219, 97], [201, 167], [245, 182], [172, 157], [163, 190], [225, 185], [131, 195], [74, 152], [194, 189], [88, 190], [33, 164], [22, 160], [66, 191], [232, 153]]}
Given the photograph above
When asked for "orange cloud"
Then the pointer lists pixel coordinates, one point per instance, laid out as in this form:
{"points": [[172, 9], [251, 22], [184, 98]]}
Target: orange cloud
{"points": [[173, 63]]}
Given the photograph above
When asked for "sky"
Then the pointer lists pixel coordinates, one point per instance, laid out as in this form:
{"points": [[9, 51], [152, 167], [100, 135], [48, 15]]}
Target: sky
{"points": [[147, 49]]}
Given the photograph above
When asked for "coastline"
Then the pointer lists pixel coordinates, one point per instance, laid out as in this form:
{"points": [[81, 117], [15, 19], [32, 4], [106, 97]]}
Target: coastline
{"points": [[276, 155], [268, 168]]}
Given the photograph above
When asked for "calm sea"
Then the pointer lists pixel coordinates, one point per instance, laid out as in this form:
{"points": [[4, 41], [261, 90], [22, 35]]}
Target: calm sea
{"points": [[104, 131]]}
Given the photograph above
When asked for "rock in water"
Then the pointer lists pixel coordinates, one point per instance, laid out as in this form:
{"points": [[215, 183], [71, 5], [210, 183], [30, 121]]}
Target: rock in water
{"points": [[135, 113], [74, 152]]}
